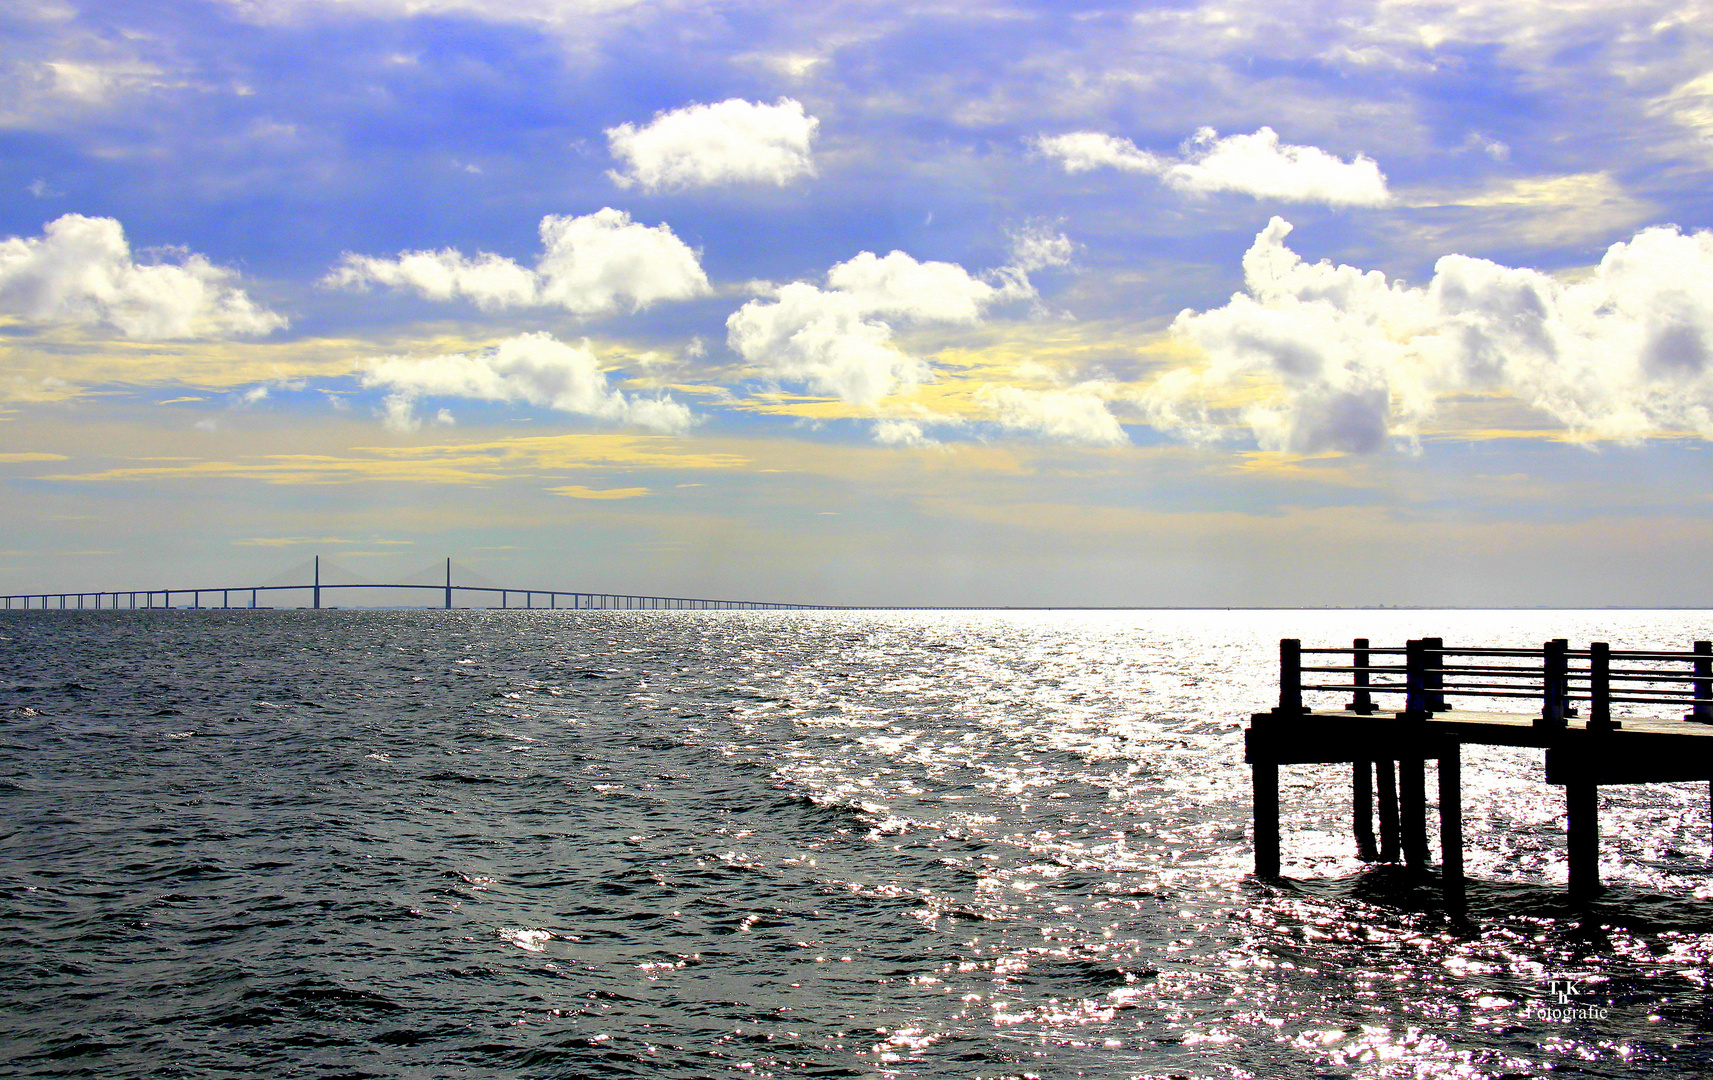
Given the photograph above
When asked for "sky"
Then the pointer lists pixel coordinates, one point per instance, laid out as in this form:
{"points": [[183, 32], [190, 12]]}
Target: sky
{"points": [[996, 304]]}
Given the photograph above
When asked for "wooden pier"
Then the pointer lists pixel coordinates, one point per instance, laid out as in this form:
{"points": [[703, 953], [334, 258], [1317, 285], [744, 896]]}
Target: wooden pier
{"points": [[1388, 750]]}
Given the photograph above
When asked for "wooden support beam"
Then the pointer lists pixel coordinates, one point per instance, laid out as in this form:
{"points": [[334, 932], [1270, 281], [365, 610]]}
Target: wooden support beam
{"points": [[1388, 811], [1600, 687], [1266, 812], [1361, 701], [1702, 712], [1451, 826], [1433, 680], [1554, 684], [1290, 676], [1362, 810], [1582, 847], [1412, 811]]}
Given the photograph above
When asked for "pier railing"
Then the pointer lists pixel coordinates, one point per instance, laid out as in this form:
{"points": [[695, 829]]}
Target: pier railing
{"points": [[1555, 675]]}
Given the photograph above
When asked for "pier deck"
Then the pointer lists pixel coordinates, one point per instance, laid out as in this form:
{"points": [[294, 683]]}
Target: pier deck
{"points": [[1388, 751]]}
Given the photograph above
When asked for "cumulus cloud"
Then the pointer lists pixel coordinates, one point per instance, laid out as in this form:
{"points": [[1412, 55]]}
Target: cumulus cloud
{"points": [[81, 270], [838, 340], [1345, 360], [535, 369], [1077, 414], [729, 142], [590, 265], [1257, 164]]}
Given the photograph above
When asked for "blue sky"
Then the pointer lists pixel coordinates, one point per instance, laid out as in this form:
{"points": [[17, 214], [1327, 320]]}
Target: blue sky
{"points": [[1216, 303]]}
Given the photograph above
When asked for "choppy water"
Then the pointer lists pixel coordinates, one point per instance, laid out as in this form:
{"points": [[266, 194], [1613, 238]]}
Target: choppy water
{"points": [[428, 844]]}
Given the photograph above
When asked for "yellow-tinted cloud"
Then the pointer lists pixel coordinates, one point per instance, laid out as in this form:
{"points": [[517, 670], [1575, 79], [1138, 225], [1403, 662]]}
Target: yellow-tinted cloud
{"points": [[1543, 211], [578, 491], [26, 456], [61, 361]]}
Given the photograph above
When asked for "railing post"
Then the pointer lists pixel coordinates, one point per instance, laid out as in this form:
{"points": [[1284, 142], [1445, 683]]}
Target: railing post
{"points": [[1600, 687], [1554, 682], [1415, 698], [1702, 711], [1290, 676], [1433, 680], [1362, 702]]}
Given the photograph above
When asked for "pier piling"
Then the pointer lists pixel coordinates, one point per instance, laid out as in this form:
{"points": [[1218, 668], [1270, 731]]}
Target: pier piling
{"points": [[1362, 810], [1412, 807], [1265, 786], [1388, 811], [1451, 825], [1582, 840]]}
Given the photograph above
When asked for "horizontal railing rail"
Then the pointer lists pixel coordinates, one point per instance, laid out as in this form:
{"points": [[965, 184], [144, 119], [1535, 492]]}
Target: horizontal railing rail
{"points": [[1556, 675]]}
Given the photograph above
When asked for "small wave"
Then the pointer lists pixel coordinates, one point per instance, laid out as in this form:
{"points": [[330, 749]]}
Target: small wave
{"points": [[447, 776]]}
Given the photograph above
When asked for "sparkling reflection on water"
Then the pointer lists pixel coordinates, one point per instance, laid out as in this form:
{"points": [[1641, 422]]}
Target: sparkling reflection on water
{"points": [[831, 844]]}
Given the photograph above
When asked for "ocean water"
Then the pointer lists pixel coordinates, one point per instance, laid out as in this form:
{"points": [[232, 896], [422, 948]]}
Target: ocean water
{"points": [[839, 844]]}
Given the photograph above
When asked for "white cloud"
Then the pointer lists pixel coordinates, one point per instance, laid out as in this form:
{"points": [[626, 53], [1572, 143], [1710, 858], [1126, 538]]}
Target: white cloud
{"points": [[535, 369], [1078, 414], [590, 265], [1084, 151], [81, 270], [1348, 361], [729, 142], [893, 431], [838, 340], [1038, 245], [1257, 164]]}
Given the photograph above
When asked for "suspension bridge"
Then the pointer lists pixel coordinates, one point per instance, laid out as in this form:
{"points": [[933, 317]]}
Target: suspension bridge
{"points": [[443, 594]]}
